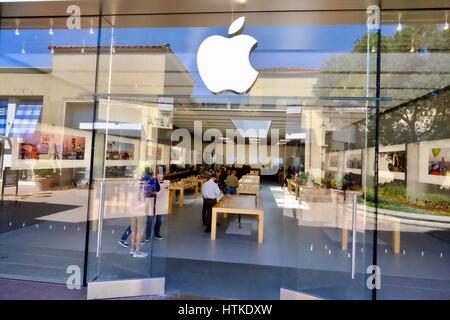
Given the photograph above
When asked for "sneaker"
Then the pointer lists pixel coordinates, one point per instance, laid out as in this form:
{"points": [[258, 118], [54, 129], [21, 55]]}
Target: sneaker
{"points": [[132, 252], [159, 238], [147, 240], [141, 254], [143, 242], [124, 243]]}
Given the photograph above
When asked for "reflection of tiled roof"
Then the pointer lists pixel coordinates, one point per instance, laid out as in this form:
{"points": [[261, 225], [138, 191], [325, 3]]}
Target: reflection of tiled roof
{"points": [[90, 49], [288, 70]]}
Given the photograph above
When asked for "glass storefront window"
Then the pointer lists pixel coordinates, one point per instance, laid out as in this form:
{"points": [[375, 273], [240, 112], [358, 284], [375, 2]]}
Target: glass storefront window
{"points": [[413, 160], [45, 95], [336, 135]]}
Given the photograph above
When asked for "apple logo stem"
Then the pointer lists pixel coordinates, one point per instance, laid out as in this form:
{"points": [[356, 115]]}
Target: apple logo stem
{"points": [[223, 63]]}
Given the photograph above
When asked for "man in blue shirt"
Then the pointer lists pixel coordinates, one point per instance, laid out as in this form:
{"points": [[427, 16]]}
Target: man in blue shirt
{"points": [[151, 186]]}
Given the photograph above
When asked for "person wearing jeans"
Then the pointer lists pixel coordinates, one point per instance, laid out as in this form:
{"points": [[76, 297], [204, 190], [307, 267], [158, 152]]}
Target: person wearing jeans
{"points": [[150, 187], [157, 228]]}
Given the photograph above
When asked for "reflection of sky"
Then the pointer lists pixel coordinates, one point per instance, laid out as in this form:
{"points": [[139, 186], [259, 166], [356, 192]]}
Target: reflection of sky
{"points": [[278, 46]]}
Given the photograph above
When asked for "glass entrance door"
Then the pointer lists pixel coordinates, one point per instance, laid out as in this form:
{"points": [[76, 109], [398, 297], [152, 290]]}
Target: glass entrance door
{"points": [[129, 198], [324, 183]]}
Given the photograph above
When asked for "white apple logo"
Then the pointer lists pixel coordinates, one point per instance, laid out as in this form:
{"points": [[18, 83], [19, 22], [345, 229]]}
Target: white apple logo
{"points": [[223, 63]]}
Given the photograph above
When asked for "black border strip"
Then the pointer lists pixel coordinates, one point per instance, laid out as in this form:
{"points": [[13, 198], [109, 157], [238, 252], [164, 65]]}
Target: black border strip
{"points": [[377, 147]]}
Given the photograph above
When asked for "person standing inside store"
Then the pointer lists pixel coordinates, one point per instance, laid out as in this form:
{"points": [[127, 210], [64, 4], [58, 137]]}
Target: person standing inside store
{"points": [[211, 193], [222, 178], [155, 187], [289, 175], [232, 182]]}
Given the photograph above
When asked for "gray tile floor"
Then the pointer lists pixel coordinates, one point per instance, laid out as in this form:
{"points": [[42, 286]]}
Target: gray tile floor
{"points": [[296, 254]]}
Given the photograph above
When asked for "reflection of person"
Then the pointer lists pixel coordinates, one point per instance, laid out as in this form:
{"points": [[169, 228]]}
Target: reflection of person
{"points": [[211, 193], [138, 226], [143, 224]]}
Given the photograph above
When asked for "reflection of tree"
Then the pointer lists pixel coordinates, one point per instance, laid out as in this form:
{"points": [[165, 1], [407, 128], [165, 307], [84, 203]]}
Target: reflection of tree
{"points": [[424, 38], [425, 118], [418, 83]]}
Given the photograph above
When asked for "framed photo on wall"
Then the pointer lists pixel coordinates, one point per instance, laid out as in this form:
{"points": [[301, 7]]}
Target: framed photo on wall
{"points": [[333, 161], [434, 162], [51, 147], [177, 155], [353, 161], [122, 151], [392, 162]]}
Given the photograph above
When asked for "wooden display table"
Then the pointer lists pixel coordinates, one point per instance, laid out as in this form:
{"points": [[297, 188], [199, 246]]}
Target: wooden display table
{"points": [[180, 187], [248, 179], [239, 204], [294, 186], [248, 189], [384, 222], [300, 189], [197, 180], [392, 223]]}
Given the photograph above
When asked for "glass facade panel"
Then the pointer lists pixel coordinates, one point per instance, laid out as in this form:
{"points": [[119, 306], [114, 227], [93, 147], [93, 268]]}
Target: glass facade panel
{"points": [[329, 141], [46, 95], [414, 160]]}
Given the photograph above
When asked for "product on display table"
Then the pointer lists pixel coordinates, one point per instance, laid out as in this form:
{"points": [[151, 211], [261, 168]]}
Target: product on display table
{"points": [[239, 204], [249, 179], [180, 186]]}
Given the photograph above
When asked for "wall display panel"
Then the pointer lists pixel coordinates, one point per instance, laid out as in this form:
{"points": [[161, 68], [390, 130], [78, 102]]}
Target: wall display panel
{"points": [[51, 147], [333, 161], [122, 151], [160, 153], [177, 155], [353, 161], [434, 162], [392, 162]]}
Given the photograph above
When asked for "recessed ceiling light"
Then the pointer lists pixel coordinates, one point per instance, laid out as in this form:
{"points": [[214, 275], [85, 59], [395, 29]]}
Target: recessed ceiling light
{"points": [[252, 128]]}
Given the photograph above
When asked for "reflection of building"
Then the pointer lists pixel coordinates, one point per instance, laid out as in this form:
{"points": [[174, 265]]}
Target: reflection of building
{"points": [[62, 95], [155, 71]]}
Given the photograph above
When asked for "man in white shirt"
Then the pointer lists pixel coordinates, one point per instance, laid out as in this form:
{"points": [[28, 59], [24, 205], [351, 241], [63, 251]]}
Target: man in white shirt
{"points": [[210, 193]]}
